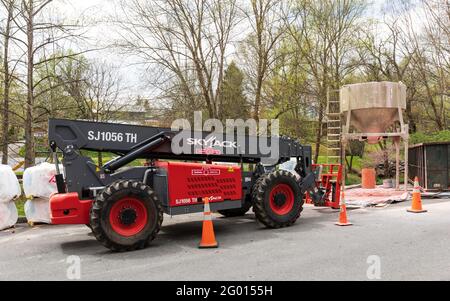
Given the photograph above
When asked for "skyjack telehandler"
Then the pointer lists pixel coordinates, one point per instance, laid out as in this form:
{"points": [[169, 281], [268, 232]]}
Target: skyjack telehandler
{"points": [[124, 205]]}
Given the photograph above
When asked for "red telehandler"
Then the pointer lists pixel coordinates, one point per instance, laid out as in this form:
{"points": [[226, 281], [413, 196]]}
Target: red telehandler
{"points": [[124, 205]]}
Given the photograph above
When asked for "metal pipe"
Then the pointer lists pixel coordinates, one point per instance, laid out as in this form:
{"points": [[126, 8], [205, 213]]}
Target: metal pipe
{"points": [[147, 172], [133, 155], [59, 178], [397, 162], [406, 139]]}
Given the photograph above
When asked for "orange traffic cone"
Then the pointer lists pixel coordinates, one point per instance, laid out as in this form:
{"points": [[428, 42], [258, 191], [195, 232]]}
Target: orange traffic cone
{"points": [[343, 214], [416, 199], [208, 237]]}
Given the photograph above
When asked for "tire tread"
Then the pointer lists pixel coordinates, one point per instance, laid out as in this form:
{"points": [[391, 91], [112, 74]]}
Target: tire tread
{"points": [[99, 205]]}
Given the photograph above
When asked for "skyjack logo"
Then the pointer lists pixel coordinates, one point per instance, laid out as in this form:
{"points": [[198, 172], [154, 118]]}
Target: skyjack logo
{"points": [[236, 135], [211, 142]]}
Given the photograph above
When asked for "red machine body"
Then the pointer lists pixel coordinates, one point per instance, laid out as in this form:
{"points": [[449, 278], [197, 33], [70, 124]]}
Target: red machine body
{"points": [[330, 180], [189, 183], [68, 209]]}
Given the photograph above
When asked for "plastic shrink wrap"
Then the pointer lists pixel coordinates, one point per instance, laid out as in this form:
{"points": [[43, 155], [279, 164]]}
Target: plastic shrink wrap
{"points": [[9, 185], [39, 181], [8, 215], [38, 211]]}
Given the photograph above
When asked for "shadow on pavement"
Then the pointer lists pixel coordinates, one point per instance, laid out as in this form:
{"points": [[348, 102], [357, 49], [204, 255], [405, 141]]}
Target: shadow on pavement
{"points": [[184, 237]]}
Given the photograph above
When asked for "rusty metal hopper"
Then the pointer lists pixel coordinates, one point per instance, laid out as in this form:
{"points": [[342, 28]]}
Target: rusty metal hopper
{"points": [[374, 106]]}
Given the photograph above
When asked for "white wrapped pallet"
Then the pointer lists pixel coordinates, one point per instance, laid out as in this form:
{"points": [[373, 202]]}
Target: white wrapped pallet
{"points": [[39, 181], [9, 185], [38, 211], [8, 215]]}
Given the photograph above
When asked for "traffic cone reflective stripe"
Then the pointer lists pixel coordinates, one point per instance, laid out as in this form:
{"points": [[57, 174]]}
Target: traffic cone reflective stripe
{"points": [[207, 208], [343, 221], [416, 206], [208, 237]]}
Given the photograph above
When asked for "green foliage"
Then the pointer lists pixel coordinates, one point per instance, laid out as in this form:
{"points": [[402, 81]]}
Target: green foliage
{"points": [[20, 204], [106, 156], [60, 78], [286, 98], [234, 102], [40, 148], [442, 136], [325, 45], [356, 148], [352, 179]]}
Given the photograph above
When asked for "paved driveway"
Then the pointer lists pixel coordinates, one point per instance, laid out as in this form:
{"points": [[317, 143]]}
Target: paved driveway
{"points": [[385, 243]]}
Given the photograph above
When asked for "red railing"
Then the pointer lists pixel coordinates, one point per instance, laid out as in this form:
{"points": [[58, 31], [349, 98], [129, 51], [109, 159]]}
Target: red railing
{"points": [[330, 180]]}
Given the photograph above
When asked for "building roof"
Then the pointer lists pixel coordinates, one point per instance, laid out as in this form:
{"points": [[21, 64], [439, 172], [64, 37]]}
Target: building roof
{"points": [[430, 143]]}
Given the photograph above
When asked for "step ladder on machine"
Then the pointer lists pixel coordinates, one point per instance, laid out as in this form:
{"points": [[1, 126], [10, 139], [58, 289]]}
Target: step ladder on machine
{"points": [[334, 128]]}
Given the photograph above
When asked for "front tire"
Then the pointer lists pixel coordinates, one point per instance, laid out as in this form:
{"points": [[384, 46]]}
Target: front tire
{"points": [[126, 216], [278, 200]]}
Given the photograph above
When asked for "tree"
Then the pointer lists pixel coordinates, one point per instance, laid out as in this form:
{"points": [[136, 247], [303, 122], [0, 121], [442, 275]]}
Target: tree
{"points": [[286, 90], [94, 87], [185, 42], [259, 47], [234, 102], [432, 60], [72, 75], [36, 34], [414, 56], [9, 6], [323, 33], [30, 9]]}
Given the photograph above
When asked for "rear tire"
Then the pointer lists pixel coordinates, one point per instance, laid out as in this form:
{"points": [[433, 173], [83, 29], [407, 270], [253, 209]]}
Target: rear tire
{"points": [[277, 200], [126, 216]]}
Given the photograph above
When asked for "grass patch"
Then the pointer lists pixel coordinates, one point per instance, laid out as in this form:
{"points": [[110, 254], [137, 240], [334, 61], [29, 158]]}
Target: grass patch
{"points": [[357, 162], [352, 179], [20, 204], [106, 157]]}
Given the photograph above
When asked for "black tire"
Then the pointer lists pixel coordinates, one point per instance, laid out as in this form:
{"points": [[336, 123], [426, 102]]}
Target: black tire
{"points": [[238, 211], [256, 186], [146, 201], [273, 216]]}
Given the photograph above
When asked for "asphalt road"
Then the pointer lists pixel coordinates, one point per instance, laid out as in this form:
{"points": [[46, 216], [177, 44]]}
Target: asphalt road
{"points": [[406, 247]]}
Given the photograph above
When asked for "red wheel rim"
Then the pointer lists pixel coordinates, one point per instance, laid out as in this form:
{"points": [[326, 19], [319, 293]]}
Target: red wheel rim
{"points": [[128, 216], [281, 199]]}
